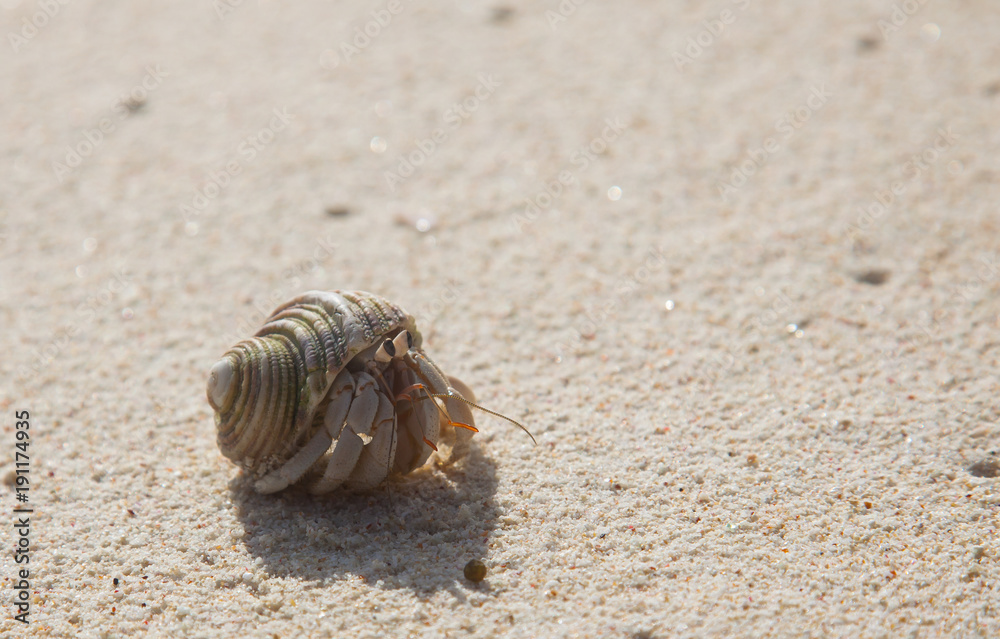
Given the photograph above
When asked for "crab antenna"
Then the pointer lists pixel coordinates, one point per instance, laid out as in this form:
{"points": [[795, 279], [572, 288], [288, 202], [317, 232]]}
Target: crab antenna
{"points": [[486, 410]]}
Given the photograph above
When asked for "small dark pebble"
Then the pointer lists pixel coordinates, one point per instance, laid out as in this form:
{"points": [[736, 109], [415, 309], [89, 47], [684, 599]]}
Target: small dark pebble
{"points": [[338, 211], [502, 14], [875, 277], [134, 105], [989, 467], [475, 571], [116, 581], [868, 43]]}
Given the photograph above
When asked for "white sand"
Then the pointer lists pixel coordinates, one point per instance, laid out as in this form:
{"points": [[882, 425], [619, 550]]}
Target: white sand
{"points": [[786, 452]]}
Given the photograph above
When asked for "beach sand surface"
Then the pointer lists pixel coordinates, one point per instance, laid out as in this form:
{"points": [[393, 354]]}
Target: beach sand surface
{"points": [[734, 264]]}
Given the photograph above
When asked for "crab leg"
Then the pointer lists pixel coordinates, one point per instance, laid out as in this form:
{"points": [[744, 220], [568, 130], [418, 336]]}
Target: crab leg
{"points": [[377, 457], [342, 393], [355, 434], [458, 439], [421, 427]]}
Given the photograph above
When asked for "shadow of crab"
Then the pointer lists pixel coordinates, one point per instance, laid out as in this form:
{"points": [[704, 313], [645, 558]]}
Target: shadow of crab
{"points": [[415, 532]]}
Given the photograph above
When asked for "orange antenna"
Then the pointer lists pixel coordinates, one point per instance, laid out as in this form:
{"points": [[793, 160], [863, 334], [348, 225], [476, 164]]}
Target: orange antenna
{"points": [[486, 410]]}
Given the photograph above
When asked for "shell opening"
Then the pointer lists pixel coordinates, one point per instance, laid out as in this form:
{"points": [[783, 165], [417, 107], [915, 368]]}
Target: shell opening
{"points": [[220, 385]]}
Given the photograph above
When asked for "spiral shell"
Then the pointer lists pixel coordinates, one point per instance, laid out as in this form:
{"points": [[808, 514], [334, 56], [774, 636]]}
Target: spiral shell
{"points": [[335, 389]]}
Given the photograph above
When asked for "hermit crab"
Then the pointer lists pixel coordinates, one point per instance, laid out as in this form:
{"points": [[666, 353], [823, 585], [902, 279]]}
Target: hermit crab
{"points": [[335, 390]]}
